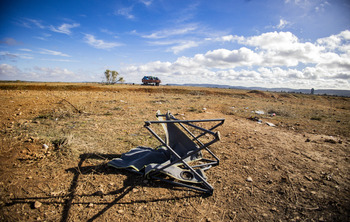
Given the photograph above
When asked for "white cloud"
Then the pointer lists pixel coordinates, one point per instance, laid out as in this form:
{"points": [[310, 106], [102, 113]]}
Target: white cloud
{"points": [[7, 70], [283, 23], [321, 7], [48, 73], [51, 52], [146, 2], [64, 28], [165, 33], [280, 48], [8, 55], [271, 40], [223, 58], [12, 56], [176, 46], [271, 59], [40, 38], [10, 41], [184, 45], [336, 41], [60, 60], [99, 44], [126, 12], [228, 38], [107, 31], [31, 23], [175, 38], [37, 23], [300, 3], [25, 50]]}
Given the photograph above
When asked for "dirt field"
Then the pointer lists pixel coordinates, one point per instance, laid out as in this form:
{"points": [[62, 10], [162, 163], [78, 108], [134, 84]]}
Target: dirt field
{"points": [[57, 138]]}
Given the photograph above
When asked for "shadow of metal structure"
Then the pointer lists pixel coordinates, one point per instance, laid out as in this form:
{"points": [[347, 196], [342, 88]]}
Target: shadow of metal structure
{"points": [[128, 185]]}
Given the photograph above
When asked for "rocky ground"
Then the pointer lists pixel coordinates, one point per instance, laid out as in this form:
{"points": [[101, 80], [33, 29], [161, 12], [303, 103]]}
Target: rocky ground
{"points": [[289, 162]]}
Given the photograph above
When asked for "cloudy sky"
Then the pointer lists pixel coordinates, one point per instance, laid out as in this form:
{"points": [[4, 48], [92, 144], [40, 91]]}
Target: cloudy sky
{"points": [[267, 43]]}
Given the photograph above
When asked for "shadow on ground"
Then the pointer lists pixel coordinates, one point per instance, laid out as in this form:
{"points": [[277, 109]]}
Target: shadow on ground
{"points": [[128, 185]]}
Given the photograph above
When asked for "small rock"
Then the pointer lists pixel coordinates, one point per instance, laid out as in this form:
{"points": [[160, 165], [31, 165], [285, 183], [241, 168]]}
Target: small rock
{"points": [[45, 146], [328, 177], [37, 204], [313, 192], [308, 178], [34, 138], [330, 141], [249, 179], [259, 112], [99, 193], [302, 189], [120, 211], [270, 124], [91, 205], [274, 209]]}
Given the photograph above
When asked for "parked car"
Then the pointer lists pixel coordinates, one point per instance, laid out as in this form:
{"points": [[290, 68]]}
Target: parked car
{"points": [[151, 80]]}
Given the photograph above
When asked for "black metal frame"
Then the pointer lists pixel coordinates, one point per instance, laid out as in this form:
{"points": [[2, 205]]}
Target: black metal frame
{"points": [[171, 119]]}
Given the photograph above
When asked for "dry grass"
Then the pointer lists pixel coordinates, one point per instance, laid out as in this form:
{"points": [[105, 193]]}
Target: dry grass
{"points": [[299, 168]]}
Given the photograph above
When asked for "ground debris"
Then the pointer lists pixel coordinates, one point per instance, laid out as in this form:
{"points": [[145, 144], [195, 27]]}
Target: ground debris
{"points": [[270, 124], [37, 204], [294, 175]]}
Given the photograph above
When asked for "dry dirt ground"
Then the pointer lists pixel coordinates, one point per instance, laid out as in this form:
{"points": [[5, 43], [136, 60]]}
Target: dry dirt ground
{"points": [[57, 138]]}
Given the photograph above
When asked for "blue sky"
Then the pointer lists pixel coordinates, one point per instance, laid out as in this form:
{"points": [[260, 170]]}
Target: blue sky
{"points": [[267, 43]]}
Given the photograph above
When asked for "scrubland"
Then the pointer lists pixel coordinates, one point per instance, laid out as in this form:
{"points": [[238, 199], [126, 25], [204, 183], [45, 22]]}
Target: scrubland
{"points": [[56, 139]]}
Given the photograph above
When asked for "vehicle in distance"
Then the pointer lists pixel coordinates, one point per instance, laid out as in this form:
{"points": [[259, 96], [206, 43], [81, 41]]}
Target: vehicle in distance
{"points": [[150, 80]]}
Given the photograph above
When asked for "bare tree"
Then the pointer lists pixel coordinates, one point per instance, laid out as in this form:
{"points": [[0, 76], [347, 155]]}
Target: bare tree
{"points": [[111, 77], [114, 77], [108, 76], [121, 79]]}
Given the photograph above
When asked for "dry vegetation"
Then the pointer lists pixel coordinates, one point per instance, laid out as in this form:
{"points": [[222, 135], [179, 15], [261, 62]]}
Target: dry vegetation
{"points": [[299, 168]]}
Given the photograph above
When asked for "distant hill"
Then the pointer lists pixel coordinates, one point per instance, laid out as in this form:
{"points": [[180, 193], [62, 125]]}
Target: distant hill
{"points": [[332, 92]]}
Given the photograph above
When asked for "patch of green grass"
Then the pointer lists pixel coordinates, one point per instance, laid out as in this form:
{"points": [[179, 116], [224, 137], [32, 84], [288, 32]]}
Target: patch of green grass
{"points": [[44, 116], [108, 114], [192, 109], [117, 108]]}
